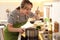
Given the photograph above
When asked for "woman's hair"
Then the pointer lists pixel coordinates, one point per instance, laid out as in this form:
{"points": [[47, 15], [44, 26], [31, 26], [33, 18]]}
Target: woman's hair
{"points": [[18, 8], [24, 2]]}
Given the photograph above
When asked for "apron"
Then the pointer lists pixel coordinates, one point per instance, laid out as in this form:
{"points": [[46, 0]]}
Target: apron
{"points": [[12, 35]]}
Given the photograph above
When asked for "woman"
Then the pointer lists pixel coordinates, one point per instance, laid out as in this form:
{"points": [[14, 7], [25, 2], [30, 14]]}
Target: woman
{"points": [[16, 20]]}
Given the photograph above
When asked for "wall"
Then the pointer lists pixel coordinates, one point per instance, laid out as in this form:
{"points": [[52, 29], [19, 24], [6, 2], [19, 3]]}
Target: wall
{"points": [[55, 12], [6, 5]]}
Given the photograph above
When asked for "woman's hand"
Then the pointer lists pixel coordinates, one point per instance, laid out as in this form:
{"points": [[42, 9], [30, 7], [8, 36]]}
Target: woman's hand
{"points": [[21, 30]]}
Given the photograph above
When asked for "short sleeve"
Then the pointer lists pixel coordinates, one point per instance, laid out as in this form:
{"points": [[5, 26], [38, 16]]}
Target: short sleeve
{"points": [[11, 19]]}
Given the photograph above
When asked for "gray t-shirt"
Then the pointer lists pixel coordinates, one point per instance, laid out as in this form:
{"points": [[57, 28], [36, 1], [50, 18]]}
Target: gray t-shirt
{"points": [[16, 17]]}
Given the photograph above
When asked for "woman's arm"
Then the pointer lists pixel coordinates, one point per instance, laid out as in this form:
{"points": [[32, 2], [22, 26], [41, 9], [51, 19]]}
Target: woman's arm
{"points": [[12, 29]]}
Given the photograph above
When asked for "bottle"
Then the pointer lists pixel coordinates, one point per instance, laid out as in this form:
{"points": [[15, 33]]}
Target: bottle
{"points": [[56, 26], [37, 13]]}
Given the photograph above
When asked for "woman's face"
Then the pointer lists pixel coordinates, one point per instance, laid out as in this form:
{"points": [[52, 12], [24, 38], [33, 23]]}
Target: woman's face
{"points": [[27, 8]]}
